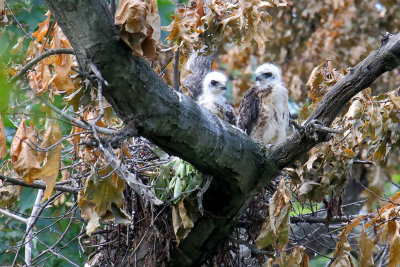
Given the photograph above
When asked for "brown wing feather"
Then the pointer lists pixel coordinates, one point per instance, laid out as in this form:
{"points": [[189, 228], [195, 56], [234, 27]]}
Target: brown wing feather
{"points": [[249, 110], [230, 114]]}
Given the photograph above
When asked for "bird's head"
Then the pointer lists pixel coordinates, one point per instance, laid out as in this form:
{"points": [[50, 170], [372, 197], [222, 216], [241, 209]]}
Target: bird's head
{"points": [[268, 73], [214, 83]]}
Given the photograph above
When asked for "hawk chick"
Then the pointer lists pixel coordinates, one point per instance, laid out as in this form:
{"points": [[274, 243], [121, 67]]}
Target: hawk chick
{"points": [[214, 85], [263, 111]]}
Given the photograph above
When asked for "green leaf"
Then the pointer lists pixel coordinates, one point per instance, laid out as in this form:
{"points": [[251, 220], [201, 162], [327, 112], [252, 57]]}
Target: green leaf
{"points": [[177, 188]]}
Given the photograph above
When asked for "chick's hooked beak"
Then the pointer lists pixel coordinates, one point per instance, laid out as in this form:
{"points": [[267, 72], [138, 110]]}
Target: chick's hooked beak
{"points": [[258, 78], [223, 88]]}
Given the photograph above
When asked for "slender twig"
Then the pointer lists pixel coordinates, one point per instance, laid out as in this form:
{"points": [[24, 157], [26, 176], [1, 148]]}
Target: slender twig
{"points": [[359, 161], [39, 185], [312, 219], [164, 50], [57, 253], [39, 58], [128, 177], [100, 82], [45, 149], [252, 247], [318, 253], [34, 219], [59, 240], [17, 21], [14, 216], [201, 193], [29, 227], [176, 69], [75, 121]]}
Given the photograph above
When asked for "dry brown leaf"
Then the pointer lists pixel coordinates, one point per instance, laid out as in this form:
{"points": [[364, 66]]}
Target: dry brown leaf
{"points": [[343, 257], [276, 226], [395, 100], [17, 48], [298, 257], [3, 16], [366, 246], [97, 198], [62, 64], [40, 78], [343, 248], [3, 140], [183, 217], [394, 255], [23, 152], [93, 223], [140, 26], [43, 28], [9, 195], [50, 169]]}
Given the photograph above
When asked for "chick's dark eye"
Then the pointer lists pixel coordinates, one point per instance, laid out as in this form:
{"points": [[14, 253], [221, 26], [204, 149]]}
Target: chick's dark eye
{"points": [[267, 75], [214, 83]]}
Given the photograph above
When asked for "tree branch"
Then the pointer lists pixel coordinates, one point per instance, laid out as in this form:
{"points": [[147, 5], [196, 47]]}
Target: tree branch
{"points": [[39, 185], [14, 216], [181, 127], [384, 59], [37, 59]]}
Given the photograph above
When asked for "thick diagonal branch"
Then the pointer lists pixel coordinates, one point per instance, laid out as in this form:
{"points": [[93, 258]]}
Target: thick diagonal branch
{"points": [[384, 59], [181, 127]]}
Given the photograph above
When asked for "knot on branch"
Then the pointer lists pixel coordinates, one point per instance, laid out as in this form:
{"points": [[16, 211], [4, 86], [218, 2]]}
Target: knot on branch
{"points": [[115, 140], [385, 38], [316, 130]]}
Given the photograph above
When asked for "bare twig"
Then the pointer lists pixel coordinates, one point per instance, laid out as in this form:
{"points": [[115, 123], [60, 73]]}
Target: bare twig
{"points": [[75, 121], [252, 247], [59, 240], [314, 219], [201, 193], [34, 217], [29, 227], [176, 69], [38, 185], [14, 216], [17, 21], [39, 58], [57, 253]]}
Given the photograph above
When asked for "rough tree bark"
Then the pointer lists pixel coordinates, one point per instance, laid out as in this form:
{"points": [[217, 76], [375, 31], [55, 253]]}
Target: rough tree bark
{"points": [[198, 65], [181, 127]]}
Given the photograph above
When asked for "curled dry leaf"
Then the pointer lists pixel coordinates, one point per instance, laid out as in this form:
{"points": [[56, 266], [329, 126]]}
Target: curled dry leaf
{"points": [[9, 194], [17, 48], [366, 247], [50, 169], [297, 258], [62, 64], [99, 195], [40, 78], [23, 152], [276, 226], [140, 26], [3, 16], [55, 71], [184, 214], [394, 255], [43, 28], [3, 140], [343, 248]]}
